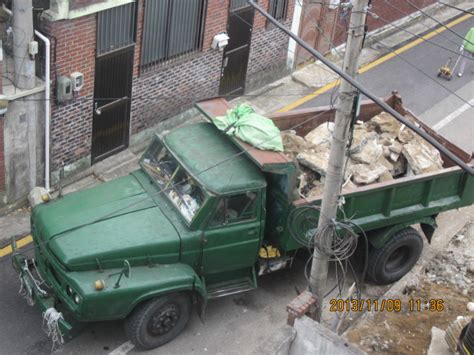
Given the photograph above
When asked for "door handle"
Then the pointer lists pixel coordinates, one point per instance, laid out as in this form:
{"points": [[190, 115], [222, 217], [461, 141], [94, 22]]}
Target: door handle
{"points": [[252, 232], [109, 106]]}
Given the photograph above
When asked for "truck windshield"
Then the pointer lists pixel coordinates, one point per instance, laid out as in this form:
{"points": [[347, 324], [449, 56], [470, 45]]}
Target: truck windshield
{"points": [[182, 190]]}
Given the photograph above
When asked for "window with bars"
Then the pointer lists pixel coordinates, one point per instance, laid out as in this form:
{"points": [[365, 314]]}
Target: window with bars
{"points": [[278, 9], [171, 29]]}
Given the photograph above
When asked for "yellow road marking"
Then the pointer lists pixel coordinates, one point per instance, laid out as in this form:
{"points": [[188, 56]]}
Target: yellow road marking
{"points": [[376, 62], [19, 243]]}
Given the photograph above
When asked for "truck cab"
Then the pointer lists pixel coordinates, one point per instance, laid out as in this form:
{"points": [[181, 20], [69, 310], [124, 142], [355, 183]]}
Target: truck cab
{"points": [[184, 228]]}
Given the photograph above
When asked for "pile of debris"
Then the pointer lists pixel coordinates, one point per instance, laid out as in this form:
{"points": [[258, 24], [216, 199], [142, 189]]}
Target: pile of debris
{"points": [[455, 266], [382, 149]]}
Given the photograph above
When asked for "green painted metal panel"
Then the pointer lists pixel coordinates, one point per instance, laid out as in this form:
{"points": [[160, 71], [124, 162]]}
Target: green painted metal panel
{"points": [[206, 147]]}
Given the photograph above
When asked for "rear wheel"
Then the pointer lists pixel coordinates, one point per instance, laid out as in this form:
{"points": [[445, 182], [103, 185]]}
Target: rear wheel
{"points": [[396, 257], [158, 320]]}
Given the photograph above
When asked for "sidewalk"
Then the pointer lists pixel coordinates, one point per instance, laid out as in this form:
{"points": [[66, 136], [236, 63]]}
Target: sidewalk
{"points": [[279, 95]]}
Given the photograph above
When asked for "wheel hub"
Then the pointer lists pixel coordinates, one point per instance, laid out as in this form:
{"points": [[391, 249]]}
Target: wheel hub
{"points": [[163, 320]]}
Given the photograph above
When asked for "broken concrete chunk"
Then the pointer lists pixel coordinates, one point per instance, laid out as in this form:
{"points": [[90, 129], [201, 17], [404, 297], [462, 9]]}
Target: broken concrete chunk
{"points": [[321, 135], [367, 174], [360, 137], [294, 144], [405, 135], [383, 161], [421, 157], [395, 147], [386, 176], [394, 156], [384, 122], [369, 153], [317, 161]]}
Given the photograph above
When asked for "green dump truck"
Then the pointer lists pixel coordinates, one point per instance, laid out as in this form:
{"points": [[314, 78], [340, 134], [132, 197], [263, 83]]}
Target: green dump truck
{"points": [[189, 225]]}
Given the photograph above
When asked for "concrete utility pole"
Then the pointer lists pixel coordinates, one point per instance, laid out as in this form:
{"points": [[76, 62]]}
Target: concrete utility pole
{"points": [[337, 157], [22, 35]]}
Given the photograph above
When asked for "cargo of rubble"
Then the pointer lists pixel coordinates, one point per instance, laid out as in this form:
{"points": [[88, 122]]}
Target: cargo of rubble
{"points": [[381, 149]]}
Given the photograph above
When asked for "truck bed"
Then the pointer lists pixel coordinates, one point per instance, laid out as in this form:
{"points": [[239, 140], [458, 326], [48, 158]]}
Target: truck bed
{"points": [[402, 200]]}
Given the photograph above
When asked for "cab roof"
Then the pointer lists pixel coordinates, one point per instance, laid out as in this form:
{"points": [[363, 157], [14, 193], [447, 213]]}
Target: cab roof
{"points": [[211, 158]]}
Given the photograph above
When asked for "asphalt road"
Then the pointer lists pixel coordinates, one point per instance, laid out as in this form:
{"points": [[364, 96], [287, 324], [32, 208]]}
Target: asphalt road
{"points": [[425, 94], [251, 315]]}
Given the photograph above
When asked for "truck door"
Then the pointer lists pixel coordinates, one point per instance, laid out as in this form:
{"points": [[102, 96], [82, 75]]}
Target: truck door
{"points": [[232, 238]]}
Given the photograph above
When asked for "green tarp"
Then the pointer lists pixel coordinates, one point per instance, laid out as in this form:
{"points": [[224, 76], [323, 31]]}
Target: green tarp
{"points": [[244, 123]]}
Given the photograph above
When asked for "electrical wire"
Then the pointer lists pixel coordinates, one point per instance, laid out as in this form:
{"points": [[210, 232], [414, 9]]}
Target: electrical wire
{"points": [[456, 8], [437, 21], [337, 240], [398, 55], [376, 16], [441, 34]]}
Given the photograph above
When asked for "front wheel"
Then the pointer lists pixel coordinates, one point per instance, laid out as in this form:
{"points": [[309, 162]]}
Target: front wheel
{"points": [[158, 321], [396, 257]]}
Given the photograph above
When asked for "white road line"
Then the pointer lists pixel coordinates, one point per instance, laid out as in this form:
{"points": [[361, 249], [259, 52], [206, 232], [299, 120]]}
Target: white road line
{"points": [[122, 349], [453, 115]]}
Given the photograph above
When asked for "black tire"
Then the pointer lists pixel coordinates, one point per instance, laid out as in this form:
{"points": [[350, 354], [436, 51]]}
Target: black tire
{"points": [[395, 258], [158, 321]]}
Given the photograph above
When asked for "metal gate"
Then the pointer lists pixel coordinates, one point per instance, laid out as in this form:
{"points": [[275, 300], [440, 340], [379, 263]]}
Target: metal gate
{"points": [[113, 81], [236, 54]]}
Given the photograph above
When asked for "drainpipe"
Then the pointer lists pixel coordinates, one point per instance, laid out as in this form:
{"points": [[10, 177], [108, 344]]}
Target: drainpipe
{"points": [[47, 107]]}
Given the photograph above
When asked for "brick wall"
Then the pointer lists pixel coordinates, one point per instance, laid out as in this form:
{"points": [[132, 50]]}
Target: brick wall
{"points": [[268, 50], [172, 89], [158, 93], [71, 123]]}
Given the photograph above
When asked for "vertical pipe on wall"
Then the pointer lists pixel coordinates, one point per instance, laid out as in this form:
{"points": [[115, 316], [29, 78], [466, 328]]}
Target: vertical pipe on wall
{"points": [[47, 107], [295, 27]]}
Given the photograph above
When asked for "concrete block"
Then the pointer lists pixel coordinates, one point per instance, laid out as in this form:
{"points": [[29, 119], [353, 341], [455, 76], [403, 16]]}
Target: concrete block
{"points": [[314, 338], [278, 343]]}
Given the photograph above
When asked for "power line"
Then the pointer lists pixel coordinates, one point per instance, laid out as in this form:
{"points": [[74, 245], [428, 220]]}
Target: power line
{"points": [[437, 21], [424, 73], [376, 16], [171, 186], [456, 8], [387, 2], [426, 136]]}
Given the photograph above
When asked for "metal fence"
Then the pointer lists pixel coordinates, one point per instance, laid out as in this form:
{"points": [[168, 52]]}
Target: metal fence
{"points": [[116, 28], [172, 29]]}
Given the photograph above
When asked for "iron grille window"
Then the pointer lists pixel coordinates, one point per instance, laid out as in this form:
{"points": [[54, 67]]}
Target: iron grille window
{"points": [[278, 9], [116, 28], [171, 29]]}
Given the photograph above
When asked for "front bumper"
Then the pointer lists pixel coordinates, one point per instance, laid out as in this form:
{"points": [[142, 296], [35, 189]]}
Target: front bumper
{"points": [[32, 290]]}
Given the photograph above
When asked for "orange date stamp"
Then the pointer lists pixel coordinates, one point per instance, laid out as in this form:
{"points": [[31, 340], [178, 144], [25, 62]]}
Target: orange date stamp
{"points": [[386, 305]]}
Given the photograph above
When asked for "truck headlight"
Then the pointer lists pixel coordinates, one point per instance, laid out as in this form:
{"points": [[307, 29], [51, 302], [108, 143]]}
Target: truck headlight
{"points": [[76, 298], [69, 290]]}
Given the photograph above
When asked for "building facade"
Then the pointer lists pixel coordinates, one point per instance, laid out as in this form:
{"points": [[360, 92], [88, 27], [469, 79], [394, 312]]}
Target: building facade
{"points": [[139, 63]]}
